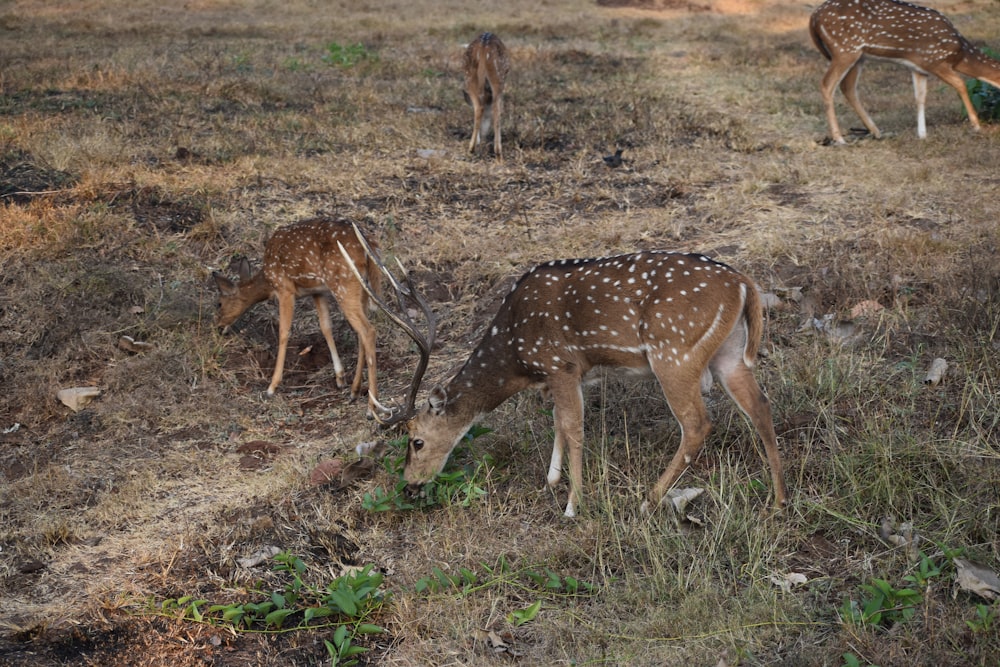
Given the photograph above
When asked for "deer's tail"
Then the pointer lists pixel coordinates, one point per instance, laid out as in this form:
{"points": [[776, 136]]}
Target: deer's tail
{"points": [[753, 315], [374, 276]]}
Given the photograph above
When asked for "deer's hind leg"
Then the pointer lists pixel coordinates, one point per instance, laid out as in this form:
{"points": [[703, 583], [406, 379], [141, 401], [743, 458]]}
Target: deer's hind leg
{"points": [[497, 109], [738, 380], [682, 389], [476, 100], [849, 86]]}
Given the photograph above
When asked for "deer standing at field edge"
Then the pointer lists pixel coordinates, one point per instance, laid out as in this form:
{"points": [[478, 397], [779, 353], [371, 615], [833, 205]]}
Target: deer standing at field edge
{"points": [[682, 317], [486, 67], [304, 259], [848, 31]]}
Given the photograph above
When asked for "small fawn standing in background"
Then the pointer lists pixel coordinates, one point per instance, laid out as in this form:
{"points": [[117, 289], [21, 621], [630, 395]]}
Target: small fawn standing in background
{"points": [[848, 31], [304, 259], [686, 319], [486, 67]]}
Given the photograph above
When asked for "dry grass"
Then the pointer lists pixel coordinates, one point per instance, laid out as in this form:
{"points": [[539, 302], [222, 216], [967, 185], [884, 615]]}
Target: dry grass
{"points": [[144, 145]]}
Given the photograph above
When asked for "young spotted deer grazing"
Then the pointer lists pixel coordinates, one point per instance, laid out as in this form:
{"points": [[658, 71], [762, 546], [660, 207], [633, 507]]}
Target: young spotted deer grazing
{"points": [[848, 31], [684, 318], [304, 259], [486, 67]]}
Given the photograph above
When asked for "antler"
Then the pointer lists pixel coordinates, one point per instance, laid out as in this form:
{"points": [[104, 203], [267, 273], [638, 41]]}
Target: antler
{"points": [[425, 343]]}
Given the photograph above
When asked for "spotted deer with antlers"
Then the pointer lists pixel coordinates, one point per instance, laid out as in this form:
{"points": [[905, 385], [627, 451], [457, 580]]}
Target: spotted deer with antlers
{"points": [[304, 259], [848, 31], [684, 318], [486, 67]]}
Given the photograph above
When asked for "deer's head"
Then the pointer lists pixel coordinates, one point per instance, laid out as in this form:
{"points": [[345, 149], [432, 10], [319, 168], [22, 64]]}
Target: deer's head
{"points": [[234, 298], [434, 432]]}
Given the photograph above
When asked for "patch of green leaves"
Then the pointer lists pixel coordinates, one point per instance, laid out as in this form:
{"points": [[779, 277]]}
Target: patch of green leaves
{"points": [[851, 660], [347, 56], [550, 581], [348, 603], [927, 569], [294, 64], [519, 617], [540, 583], [379, 500], [882, 605], [455, 485], [438, 580], [986, 616], [461, 486], [342, 649]]}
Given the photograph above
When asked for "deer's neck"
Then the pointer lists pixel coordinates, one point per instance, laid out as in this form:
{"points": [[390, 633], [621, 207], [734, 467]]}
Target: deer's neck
{"points": [[256, 289], [978, 65], [489, 377]]}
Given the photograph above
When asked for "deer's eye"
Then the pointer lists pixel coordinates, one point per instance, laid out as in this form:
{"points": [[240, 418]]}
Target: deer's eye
{"points": [[417, 444]]}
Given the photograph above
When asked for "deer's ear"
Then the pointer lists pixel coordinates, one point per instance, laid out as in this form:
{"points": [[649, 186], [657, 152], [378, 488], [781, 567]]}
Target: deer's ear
{"points": [[224, 284], [437, 400], [244, 269]]}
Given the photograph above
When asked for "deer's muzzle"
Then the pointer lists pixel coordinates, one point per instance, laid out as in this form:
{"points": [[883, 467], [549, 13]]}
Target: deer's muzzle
{"points": [[414, 491]]}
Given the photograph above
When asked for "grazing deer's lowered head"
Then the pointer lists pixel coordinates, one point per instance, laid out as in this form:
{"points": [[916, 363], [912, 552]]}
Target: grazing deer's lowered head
{"points": [[684, 318], [304, 259], [486, 67], [848, 31]]}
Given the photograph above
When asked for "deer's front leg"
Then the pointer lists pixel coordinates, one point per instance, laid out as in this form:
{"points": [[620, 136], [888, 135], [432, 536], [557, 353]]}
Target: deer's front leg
{"points": [[323, 313], [568, 417], [286, 309]]}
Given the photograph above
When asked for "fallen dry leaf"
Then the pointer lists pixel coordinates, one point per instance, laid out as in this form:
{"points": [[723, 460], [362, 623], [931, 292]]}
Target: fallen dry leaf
{"points": [[681, 498], [778, 297], [498, 642], [335, 470], [790, 293], [258, 557], [770, 300], [257, 453], [936, 372], [837, 330], [866, 308], [326, 471], [902, 536], [977, 579], [75, 398], [786, 581], [130, 344], [366, 447], [356, 470], [430, 153]]}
